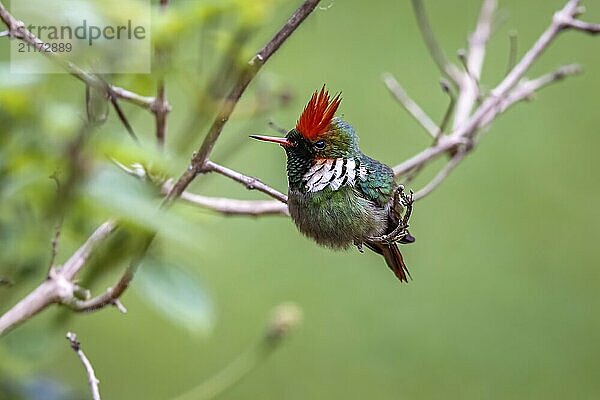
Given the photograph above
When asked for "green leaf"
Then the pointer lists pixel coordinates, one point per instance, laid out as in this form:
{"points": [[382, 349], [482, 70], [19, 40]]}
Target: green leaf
{"points": [[177, 295], [138, 202]]}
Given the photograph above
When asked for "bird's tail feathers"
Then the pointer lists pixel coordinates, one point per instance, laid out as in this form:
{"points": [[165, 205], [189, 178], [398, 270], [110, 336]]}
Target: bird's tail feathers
{"points": [[393, 258]]}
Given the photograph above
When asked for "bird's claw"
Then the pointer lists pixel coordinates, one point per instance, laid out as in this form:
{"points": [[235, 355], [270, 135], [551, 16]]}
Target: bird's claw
{"points": [[405, 201]]}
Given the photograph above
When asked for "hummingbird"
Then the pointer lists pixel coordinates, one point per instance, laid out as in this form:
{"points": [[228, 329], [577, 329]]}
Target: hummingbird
{"points": [[337, 195]]}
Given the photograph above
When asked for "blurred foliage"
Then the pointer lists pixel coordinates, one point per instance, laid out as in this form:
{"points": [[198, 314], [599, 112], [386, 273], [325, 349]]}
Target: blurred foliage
{"points": [[505, 293]]}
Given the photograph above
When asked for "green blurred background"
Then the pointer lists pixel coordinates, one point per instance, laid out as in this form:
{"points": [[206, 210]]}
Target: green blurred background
{"points": [[505, 297]]}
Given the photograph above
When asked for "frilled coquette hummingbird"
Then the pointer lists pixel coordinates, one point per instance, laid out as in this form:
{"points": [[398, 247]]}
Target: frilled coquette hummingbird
{"points": [[337, 195]]}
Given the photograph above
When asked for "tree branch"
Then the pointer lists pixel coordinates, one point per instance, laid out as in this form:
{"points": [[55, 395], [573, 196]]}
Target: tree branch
{"points": [[249, 182], [442, 175], [445, 67], [160, 107], [229, 206], [59, 286], [92, 380], [80, 257], [469, 84], [229, 103], [506, 93], [409, 105], [527, 88]]}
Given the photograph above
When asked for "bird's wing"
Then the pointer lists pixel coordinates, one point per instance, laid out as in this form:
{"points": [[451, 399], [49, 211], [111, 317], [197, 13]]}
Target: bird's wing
{"points": [[375, 181]]}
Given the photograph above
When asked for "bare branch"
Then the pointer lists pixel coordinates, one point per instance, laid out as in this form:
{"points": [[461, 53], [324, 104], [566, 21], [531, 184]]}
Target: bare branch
{"points": [[58, 287], [409, 105], [497, 94], [110, 297], [512, 51], [277, 128], [79, 258], [40, 298], [249, 182], [113, 294], [587, 27], [122, 117], [445, 67], [442, 175], [161, 108], [473, 61], [527, 88], [54, 243], [92, 380], [229, 103], [463, 133], [444, 144], [446, 119], [228, 206], [132, 97]]}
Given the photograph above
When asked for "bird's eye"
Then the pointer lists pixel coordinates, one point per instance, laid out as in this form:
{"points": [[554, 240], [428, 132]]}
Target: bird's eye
{"points": [[320, 144]]}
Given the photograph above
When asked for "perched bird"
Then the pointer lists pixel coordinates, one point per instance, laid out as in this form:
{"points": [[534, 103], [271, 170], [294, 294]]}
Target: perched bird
{"points": [[337, 195]]}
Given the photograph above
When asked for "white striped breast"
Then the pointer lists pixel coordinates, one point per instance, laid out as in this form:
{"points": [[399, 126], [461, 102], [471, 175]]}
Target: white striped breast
{"points": [[330, 172]]}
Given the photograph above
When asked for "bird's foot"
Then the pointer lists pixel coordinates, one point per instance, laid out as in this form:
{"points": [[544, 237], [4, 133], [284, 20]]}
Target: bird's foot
{"points": [[400, 233], [403, 202]]}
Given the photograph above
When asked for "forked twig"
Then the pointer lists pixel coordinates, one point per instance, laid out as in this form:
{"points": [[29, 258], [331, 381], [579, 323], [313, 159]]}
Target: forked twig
{"points": [[92, 379]]}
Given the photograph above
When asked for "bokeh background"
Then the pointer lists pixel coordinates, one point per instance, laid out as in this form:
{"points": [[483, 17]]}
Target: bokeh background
{"points": [[505, 297]]}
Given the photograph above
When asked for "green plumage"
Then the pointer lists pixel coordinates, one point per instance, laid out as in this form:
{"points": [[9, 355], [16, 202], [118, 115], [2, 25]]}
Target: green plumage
{"points": [[337, 195], [342, 217], [354, 212]]}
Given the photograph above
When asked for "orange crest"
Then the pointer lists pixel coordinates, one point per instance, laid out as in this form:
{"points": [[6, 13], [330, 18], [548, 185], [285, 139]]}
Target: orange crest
{"points": [[317, 114]]}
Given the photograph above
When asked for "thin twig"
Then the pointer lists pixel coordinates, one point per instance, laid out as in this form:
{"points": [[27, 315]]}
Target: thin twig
{"points": [[58, 287], [80, 257], [527, 88], [229, 103], [512, 51], [92, 379], [160, 107], [489, 109], [445, 67], [592, 29], [229, 206], [473, 61], [54, 242], [249, 182], [277, 128], [113, 294], [410, 105], [442, 175], [122, 116], [444, 144], [449, 110]]}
